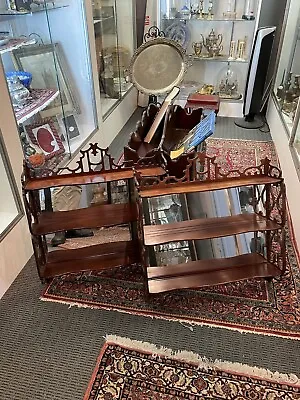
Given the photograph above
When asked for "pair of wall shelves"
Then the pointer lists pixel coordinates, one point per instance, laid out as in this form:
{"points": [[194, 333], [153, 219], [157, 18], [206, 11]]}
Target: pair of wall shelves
{"points": [[202, 174]]}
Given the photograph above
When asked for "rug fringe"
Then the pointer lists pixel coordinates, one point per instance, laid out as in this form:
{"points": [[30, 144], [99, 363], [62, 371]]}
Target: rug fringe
{"points": [[186, 323], [204, 362], [237, 140]]}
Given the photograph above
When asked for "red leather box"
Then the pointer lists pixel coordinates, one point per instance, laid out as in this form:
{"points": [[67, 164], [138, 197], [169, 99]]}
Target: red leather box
{"points": [[208, 101]]}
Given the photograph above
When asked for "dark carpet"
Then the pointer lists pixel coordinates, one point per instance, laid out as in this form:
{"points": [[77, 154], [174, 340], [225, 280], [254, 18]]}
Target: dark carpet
{"points": [[48, 350]]}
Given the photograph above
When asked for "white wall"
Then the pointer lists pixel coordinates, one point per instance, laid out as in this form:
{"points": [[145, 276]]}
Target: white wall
{"points": [[15, 248], [8, 207], [287, 165]]}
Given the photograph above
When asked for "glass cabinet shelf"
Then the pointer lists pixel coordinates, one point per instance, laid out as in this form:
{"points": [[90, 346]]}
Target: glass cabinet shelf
{"points": [[209, 20], [97, 20], [217, 40], [14, 13], [16, 43], [217, 59]]}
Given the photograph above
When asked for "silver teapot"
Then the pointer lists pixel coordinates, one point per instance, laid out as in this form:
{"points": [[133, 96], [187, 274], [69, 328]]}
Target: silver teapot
{"points": [[213, 43], [18, 92]]}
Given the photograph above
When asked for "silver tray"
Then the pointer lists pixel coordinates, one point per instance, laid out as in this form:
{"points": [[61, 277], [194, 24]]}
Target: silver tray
{"points": [[157, 66]]}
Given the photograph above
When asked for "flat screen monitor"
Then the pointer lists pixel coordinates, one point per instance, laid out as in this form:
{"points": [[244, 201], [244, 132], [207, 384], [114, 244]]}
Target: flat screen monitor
{"points": [[259, 82]]}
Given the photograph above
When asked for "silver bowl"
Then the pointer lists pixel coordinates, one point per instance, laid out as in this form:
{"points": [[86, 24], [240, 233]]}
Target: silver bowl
{"points": [[4, 40]]}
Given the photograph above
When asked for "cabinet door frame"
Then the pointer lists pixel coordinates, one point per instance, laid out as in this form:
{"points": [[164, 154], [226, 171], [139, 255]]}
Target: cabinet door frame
{"points": [[13, 187]]}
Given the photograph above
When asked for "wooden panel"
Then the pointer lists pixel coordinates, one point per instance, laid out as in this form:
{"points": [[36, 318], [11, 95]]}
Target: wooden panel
{"points": [[221, 271], [92, 217], [206, 228], [201, 266], [98, 257], [85, 179], [204, 186]]}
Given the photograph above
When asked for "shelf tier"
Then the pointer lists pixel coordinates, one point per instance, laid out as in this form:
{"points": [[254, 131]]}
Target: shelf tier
{"points": [[16, 43], [92, 258], [91, 217], [209, 20], [218, 59], [88, 178], [40, 99], [14, 13], [203, 186], [202, 273], [206, 228], [97, 20]]}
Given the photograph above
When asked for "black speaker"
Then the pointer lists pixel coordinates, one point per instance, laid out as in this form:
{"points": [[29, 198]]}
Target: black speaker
{"points": [[259, 82]]}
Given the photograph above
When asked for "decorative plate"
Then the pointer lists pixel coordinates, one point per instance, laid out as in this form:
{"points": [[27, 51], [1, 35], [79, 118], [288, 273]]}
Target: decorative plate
{"points": [[179, 32], [157, 66]]}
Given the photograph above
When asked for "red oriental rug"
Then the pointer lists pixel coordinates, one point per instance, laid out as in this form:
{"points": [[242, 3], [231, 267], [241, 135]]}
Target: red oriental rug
{"points": [[140, 371], [255, 305]]}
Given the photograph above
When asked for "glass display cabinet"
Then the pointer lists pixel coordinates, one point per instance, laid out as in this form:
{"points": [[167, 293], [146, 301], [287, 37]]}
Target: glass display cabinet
{"points": [[44, 49], [10, 205], [287, 82], [114, 22], [218, 36]]}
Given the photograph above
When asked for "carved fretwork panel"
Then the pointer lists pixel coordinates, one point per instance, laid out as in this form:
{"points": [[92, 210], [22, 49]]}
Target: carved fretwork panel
{"points": [[277, 203], [276, 248], [32, 207], [94, 160], [204, 168]]}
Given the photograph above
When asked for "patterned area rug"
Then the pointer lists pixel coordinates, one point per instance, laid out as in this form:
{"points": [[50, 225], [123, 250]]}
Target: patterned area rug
{"points": [[254, 305], [235, 154], [140, 371]]}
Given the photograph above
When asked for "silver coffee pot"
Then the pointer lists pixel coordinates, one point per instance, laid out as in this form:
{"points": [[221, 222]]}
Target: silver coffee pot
{"points": [[213, 43]]}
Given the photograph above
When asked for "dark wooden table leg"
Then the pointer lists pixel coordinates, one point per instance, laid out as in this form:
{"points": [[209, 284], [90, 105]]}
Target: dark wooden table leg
{"points": [[48, 200]]}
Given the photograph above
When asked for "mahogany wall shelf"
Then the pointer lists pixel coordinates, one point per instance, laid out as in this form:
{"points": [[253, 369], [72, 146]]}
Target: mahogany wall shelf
{"points": [[86, 178], [203, 186], [98, 257], [203, 174], [91, 217], [208, 228], [200, 174], [208, 273]]}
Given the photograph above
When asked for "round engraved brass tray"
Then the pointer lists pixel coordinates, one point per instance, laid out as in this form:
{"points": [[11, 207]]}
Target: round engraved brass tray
{"points": [[157, 66]]}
